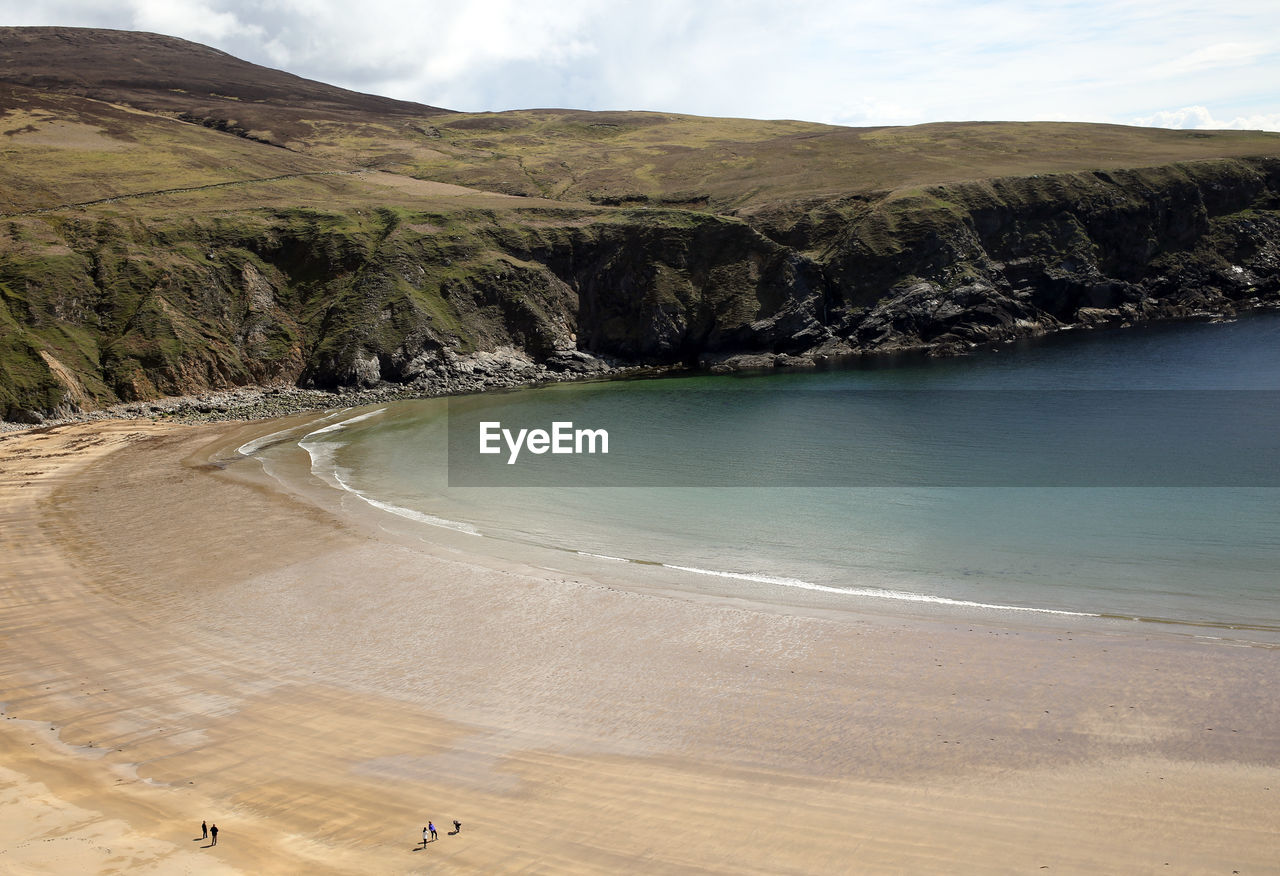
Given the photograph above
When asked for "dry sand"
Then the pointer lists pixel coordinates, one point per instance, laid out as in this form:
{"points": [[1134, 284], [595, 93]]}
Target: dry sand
{"points": [[178, 644]]}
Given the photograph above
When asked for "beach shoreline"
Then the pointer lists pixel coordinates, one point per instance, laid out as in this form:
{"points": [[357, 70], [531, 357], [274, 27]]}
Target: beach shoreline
{"points": [[201, 642]]}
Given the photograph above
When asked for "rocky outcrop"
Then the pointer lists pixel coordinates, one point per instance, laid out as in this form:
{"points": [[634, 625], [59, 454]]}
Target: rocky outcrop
{"points": [[951, 267], [350, 301]]}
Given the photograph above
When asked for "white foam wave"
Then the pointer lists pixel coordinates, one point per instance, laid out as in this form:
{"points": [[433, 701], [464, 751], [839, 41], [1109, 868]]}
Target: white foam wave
{"points": [[342, 424], [324, 466], [324, 453], [602, 557], [249, 448], [873, 592], [254, 445], [418, 516]]}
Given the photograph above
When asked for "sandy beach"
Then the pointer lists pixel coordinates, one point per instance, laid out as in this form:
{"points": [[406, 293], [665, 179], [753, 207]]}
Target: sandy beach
{"points": [[180, 643]]}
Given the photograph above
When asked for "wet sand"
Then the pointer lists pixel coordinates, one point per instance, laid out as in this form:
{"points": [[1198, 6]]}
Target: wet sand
{"points": [[180, 643]]}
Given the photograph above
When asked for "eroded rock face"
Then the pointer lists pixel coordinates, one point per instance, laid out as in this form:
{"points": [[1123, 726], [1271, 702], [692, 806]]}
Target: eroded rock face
{"points": [[922, 313], [1018, 257], [371, 301]]}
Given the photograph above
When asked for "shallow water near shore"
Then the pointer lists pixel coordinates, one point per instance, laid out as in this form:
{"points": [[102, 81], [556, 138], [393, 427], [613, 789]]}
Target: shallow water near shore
{"points": [[938, 526]]}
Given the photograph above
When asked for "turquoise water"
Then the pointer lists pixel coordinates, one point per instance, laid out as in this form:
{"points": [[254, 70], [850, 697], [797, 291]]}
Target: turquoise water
{"points": [[889, 482]]}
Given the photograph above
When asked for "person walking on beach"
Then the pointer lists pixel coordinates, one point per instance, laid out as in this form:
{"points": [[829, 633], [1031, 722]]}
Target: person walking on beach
{"points": [[457, 826], [424, 837], [213, 832], [431, 827], [204, 830]]}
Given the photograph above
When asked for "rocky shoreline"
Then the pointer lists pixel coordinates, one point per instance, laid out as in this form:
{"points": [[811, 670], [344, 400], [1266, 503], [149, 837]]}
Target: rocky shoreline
{"points": [[381, 307], [479, 372], [512, 369]]}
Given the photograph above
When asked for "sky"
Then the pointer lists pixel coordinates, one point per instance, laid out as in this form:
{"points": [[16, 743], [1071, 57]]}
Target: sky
{"points": [[1171, 63]]}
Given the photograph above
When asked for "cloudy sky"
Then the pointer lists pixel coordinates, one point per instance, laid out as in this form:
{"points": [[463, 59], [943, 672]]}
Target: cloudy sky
{"points": [[1173, 63]]}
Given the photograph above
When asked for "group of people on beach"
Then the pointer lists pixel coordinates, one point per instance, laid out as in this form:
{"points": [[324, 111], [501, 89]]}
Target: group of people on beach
{"points": [[429, 832]]}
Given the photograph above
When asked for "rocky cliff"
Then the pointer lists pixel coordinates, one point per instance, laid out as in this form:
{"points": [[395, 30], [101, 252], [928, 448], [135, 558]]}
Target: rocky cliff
{"points": [[948, 267], [164, 239], [98, 310]]}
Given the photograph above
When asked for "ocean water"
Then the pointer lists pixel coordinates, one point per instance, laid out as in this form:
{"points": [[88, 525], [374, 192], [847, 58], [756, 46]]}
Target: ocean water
{"points": [[1131, 474]]}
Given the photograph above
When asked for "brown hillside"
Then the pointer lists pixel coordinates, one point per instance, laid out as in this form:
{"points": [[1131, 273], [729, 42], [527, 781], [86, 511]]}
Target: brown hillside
{"points": [[626, 158], [170, 75], [158, 241]]}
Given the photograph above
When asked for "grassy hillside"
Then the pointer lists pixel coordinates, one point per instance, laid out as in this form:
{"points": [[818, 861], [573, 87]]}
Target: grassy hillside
{"points": [[173, 219], [728, 164], [138, 82]]}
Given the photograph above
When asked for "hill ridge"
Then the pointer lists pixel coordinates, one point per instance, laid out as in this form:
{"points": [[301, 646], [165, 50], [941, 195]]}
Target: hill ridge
{"points": [[353, 259], [167, 74]]}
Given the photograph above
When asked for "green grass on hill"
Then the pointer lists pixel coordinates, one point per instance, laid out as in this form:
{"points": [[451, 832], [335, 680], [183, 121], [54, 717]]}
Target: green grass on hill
{"points": [[63, 149], [152, 241]]}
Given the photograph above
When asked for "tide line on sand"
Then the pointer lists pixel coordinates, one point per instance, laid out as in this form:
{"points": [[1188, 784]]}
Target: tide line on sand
{"points": [[873, 592], [870, 592], [324, 466]]}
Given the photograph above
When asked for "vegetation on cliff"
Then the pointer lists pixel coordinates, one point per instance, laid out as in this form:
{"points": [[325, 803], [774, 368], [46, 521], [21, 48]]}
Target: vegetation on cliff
{"points": [[192, 222]]}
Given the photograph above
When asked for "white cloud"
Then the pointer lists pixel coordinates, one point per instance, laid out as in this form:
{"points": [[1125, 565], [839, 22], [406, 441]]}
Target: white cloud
{"points": [[869, 112], [197, 20], [1219, 55], [863, 62], [1200, 118]]}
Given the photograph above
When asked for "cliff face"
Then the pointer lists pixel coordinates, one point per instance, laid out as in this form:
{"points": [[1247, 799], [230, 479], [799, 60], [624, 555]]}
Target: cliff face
{"points": [[106, 308], [175, 220], [949, 266]]}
